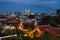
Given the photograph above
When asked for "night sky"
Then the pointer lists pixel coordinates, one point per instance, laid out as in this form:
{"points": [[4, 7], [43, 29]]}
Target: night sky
{"points": [[33, 5]]}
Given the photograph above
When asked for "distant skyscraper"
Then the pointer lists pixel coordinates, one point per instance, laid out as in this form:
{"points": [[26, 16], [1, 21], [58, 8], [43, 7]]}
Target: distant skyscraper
{"points": [[28, 12], [58, 12]]}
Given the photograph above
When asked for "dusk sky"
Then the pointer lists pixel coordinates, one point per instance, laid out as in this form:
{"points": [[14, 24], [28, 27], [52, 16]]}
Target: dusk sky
{"points": [[33, 5]]}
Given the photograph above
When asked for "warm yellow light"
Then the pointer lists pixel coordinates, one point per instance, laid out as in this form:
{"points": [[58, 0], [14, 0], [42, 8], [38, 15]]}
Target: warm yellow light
{"points": [[25, 35], [30, 33]]}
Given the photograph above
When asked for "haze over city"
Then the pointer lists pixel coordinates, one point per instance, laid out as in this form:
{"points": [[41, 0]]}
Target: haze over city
{"points": [[33, 5]]}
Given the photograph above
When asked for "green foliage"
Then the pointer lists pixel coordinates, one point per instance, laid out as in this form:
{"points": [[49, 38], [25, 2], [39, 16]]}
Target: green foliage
{"points": [[57, 19], [1, 31], [53, 24], [46, 20], [48, 36], [9, 32], [28, 26], [31, 16], [43, 36]]}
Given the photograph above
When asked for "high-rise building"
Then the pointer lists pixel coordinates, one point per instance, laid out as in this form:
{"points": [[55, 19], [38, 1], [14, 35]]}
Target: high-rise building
{"points": [[28, 12], [58, 12]]}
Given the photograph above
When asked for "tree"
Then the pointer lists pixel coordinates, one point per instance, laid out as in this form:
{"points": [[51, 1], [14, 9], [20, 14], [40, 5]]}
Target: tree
{"points": [[31, 16], [46, 20], [1, 31], [58, 19], [53, 24], [47, 36]]}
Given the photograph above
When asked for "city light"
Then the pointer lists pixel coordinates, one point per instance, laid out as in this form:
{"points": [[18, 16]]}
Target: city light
{"points": [[30, 33]]}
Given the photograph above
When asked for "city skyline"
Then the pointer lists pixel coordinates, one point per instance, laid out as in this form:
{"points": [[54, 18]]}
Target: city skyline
{"points": [[33, 5]]}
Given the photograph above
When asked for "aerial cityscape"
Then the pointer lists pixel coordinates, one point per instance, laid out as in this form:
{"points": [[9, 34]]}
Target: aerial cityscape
{"points": [[29, 19]]}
